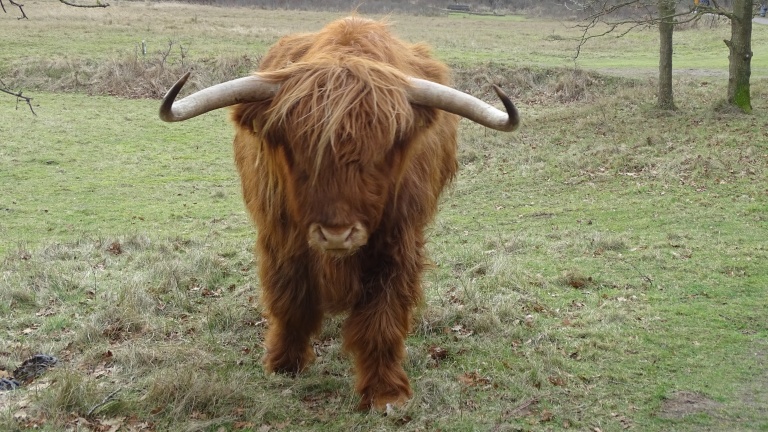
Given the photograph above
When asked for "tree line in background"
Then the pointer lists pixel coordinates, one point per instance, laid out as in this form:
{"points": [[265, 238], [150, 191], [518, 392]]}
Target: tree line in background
{"points": [[553, 8], [556, 8], [597, 18]]}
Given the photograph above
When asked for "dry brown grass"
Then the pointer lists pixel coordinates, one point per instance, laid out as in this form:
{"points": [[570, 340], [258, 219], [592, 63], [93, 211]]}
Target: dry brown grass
{"points": [[132, 75], [530, 84], [129, 75]]}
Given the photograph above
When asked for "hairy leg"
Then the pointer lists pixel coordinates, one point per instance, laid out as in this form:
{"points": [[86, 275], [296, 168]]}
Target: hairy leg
{"points": [[375, 336], [293, 311], [375, 331]]}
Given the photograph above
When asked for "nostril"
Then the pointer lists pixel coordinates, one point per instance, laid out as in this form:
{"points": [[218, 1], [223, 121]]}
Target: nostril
{"points": [[337, 239], [336, 236]]}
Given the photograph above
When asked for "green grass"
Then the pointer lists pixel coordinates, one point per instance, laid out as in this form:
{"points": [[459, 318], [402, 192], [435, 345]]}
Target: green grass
{"points": [[110, 166], [587, 269]]}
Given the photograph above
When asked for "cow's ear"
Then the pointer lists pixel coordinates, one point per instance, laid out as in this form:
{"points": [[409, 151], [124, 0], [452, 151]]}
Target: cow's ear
{"points": [[251, 116]]}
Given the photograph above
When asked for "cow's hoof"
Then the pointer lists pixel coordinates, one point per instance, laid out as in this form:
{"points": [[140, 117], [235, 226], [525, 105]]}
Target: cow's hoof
{"points": [[288, 363], [385, 404]]}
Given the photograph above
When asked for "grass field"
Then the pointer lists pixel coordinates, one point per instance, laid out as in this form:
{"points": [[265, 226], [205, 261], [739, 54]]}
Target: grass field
{"points": [[602, 269]]}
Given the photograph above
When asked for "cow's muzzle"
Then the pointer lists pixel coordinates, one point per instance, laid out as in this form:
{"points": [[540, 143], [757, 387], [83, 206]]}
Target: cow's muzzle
{"points": [[337, 240]]}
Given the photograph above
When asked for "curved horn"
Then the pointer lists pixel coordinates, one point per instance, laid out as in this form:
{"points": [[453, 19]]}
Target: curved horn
{"points": [[246, 89], [423, 92], [254, 88]]}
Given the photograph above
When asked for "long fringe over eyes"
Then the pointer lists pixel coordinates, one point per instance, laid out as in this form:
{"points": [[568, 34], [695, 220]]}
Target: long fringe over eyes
{"points": [[348, 107]]}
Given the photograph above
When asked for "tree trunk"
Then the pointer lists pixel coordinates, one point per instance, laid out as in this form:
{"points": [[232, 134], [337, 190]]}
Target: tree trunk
{"points": [[740, 57], [666, 29]]}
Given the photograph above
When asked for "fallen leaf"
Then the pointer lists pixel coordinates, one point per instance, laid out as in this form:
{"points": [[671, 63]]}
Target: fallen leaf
{"points": [[48, 311], [404, 420], [546, 416], [523, 409], [437, 353], [453, 297], [103, 370], [197, 415], [473, 378], [461, 331], [528, 321], [115, 248], [209, 293], [114, 424], [157, 410], [556, 380]]}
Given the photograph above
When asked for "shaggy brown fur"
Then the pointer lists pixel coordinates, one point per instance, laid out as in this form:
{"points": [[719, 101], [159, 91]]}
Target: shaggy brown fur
{"points": [[340, 146]]}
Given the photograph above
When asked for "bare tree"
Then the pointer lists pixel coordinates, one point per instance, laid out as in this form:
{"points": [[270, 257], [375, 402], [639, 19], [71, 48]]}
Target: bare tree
{"points": [[740, 58], [739, 48], [18, 94], [665, 98], [625, 15]]}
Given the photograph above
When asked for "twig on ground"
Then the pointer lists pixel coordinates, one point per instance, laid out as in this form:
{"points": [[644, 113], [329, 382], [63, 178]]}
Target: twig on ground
{"points": [[110, 397]]}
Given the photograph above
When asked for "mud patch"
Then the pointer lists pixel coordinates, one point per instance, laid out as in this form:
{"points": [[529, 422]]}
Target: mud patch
{"points": [[684, 403]]}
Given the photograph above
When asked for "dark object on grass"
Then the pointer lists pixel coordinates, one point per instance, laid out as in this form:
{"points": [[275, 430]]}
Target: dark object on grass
{"points": [[8, 384], [33, 367]]}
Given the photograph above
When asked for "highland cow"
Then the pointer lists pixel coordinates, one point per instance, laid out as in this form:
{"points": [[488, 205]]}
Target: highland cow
{"points": [[344, 140]]}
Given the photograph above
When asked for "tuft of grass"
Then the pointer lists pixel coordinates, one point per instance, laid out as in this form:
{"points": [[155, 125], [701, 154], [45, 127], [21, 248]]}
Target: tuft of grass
{"points": [[72, 393]]}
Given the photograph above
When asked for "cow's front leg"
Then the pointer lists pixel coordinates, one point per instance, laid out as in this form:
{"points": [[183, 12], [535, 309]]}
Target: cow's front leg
{"points": [[293, 311], [375, 336], [375, 332]]}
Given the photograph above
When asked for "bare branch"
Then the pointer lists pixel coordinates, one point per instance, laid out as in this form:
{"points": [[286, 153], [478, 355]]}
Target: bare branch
{"points": [[164, 54], [611, 28], [604, 9], [18, 95], [715, 9], [19, 5], [98, 4]]}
